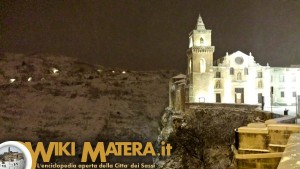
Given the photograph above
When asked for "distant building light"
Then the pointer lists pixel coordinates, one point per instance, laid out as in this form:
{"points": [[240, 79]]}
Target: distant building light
{"points": [[12, 80], [29, 79], [124, 72], [99, 70], [54, 70], [113, 71]]}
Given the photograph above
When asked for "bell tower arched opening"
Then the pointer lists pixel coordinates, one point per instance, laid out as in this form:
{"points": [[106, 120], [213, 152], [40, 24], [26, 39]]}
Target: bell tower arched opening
{"points": [[202, 65]]}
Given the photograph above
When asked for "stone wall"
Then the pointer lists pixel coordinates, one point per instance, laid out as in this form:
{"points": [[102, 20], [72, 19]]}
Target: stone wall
{"points": [[291, 155], [260, 145]]}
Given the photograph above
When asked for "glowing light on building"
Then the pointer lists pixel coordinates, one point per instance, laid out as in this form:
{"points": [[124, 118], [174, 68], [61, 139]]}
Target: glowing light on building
{"points": [[29, 79], [123, 72]]}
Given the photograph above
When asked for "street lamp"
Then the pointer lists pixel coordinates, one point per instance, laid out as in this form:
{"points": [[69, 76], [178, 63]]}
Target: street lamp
{"points": [[271, 93], [297, 102]]}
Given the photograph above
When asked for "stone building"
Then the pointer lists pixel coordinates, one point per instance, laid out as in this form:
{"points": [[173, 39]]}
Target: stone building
{"points": [[234, 78], [12, 160]]}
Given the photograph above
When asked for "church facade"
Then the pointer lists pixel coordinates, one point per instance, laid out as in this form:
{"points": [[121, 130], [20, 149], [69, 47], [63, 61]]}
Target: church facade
{"points": [[234, 78]]}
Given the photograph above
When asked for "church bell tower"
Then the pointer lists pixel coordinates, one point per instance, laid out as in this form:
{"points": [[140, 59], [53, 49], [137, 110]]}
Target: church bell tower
{"points": [[200, 62]]}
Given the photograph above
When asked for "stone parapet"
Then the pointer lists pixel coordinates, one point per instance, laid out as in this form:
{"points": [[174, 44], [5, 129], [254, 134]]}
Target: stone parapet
{"points": [[291, 155], [284, 119], [261, 145]]}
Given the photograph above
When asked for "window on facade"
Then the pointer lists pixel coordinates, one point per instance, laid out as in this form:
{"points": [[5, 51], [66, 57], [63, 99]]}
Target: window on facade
{"points": [[218, 84], [218, 97], [260, 84], [239, 76], [282, 94], [231, 71], [259, 74], [201, 41], [259, 97], [281, 78], [246, 71], [294, 94], [218, 74]]}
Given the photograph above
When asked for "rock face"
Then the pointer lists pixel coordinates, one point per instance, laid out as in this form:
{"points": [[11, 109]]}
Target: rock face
{"points": [[66, 99], [201, 137]]}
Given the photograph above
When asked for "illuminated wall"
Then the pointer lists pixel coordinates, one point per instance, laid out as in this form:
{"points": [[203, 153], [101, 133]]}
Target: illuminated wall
{"points": [[244, 80], [239, 71], [286, 83], [200, 63]]}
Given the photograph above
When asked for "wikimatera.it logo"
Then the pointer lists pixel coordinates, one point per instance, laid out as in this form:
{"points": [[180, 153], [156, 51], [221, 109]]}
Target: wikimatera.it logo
{"points": [[23, 155]]}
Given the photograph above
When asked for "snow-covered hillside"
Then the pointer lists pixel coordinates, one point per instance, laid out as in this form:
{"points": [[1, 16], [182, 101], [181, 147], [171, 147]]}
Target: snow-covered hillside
{"points": [[57, 98]]}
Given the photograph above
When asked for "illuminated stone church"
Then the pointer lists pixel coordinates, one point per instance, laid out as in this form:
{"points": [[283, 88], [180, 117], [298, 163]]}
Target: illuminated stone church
{"points": [[234, 78]]}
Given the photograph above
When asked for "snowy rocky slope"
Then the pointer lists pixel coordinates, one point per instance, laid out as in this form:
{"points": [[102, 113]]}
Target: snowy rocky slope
{"points": [[56, 98]]}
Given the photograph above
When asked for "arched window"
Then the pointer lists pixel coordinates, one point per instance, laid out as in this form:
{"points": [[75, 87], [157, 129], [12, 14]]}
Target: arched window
{"points": [[173, 87], [239, 76], [231, 71], [202, 65], [201, 41], [191, 42], [218, 84], [190, 66]]}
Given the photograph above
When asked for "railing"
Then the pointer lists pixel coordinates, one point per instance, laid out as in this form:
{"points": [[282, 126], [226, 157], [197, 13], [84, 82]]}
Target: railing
{"points": [[198, 49]]}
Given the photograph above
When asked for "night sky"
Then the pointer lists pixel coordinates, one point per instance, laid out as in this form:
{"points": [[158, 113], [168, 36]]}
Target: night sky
{"points": [[151, 34]]}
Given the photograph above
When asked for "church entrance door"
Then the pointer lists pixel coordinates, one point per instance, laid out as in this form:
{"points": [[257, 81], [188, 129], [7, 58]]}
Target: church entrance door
{"points": [[239, 95]]}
